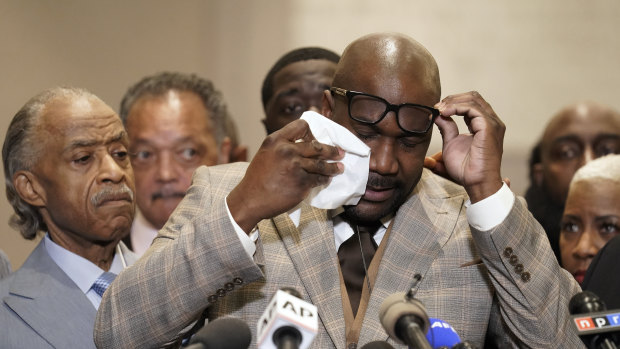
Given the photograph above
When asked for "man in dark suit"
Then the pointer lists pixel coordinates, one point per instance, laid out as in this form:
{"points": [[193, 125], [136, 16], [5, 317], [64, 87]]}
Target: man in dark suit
{"points": [[68, 177], [602, 276], [243, 231]]}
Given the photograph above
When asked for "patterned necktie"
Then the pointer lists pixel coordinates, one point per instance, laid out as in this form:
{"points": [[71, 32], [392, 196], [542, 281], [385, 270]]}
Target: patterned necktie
{"points": [[352, 263], [103, 281]]}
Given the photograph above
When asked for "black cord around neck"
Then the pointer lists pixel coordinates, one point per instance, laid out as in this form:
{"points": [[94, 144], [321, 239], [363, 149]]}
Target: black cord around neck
{"points": [[359, 239]]}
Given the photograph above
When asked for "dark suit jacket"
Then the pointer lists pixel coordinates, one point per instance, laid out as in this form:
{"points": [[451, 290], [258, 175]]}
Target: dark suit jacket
{"points": [[42, 307], [468, 279], [603, 275]]}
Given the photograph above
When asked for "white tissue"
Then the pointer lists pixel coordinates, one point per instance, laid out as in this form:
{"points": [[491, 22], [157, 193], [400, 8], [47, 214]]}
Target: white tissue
{"points": [[348, 187]]}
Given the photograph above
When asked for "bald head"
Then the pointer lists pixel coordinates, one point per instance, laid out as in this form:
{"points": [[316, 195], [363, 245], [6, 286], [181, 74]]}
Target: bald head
{"points": [[391, 56], [574, 136], [582, 112], [376, 73]]}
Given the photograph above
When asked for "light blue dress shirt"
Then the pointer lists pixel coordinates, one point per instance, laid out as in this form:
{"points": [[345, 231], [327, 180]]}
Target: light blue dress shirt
{"points": [[80, 270]]}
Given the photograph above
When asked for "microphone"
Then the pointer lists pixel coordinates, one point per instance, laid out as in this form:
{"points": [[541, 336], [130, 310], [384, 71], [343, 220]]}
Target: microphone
{"points": [[594, 323], [288, 322], [222, 333], [441, 334], [377, 345], [405, 320], [586, 302]]}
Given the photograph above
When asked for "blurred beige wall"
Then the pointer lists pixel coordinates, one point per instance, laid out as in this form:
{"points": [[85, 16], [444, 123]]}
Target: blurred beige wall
{"points": [[526, 58]]}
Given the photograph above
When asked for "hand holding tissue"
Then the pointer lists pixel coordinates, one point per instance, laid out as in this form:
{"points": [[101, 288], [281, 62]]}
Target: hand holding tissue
{"points": [[348, 187]]}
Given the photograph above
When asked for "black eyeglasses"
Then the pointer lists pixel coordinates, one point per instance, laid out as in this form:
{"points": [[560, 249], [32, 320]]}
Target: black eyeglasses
{"points": [[369, 109]]}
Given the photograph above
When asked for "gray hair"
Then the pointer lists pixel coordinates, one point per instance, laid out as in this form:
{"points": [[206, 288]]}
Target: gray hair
{"points": [[21, 151], [605, 167], [159, 84]]}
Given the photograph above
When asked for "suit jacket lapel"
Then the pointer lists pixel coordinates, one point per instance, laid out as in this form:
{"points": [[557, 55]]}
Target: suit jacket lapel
{"points": [[422, 226], [312, 251], [45, 298]]}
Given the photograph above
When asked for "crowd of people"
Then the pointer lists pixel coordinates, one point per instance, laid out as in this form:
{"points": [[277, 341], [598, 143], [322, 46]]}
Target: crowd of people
{"points": [[153, 223]]}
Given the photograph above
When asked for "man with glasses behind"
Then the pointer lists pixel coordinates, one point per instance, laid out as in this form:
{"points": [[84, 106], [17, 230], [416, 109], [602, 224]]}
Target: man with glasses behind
{"points": [[243, 231]]}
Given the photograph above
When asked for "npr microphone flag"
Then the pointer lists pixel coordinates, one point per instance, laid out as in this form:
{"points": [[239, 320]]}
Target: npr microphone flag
{"points": [[599, 322], [287, 310]]}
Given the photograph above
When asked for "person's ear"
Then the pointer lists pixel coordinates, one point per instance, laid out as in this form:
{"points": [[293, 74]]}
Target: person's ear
{"points": [[537, 174], [240, 153], [328, 104], [28, 188], [223, 157], [264, 121]]}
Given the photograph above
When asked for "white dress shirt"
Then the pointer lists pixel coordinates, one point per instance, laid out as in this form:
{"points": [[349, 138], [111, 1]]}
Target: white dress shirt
{"points": [[142, 234]]}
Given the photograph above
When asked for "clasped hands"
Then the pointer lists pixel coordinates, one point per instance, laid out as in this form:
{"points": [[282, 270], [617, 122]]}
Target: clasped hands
{"points": [[290, 162]]}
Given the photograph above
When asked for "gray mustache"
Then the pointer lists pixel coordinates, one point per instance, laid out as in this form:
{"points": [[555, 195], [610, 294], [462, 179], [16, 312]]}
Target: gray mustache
{"points": [[108, 194]]}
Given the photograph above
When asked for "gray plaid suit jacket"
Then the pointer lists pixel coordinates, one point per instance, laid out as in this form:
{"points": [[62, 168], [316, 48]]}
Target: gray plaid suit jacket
{"points": [[197, 262]]}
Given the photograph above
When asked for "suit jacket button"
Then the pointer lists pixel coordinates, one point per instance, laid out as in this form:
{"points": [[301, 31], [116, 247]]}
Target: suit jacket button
{"points": [[212, 298], [238, 281], [229, 286], [513, 259], [221, 292], [525, 276], [508, 252], [519, 268]]}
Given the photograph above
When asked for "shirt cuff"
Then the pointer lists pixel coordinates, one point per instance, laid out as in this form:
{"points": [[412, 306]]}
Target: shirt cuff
{"points": [[248, 242], [488, 213]]}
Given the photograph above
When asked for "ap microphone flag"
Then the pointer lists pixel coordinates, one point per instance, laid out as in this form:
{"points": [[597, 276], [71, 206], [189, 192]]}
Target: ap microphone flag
{"points": [[286, 312], [441, 335]]}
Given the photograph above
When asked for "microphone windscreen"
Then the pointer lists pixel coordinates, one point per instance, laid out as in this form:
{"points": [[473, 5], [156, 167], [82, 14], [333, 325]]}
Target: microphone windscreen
{"points": [[377, 345], [441, 334], [396, 306], [586, 302], [224, 333]]}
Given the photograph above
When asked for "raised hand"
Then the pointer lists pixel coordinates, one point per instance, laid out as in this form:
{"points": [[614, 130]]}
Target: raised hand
{"points": [[472, 159], [435, 164], [289, 163]]}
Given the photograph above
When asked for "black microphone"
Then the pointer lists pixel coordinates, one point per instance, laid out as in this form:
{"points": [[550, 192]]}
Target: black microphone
{"points": [[595, 325], [222, 333], [377, 345], [586, 302], [405, 320], [288, 322]]}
